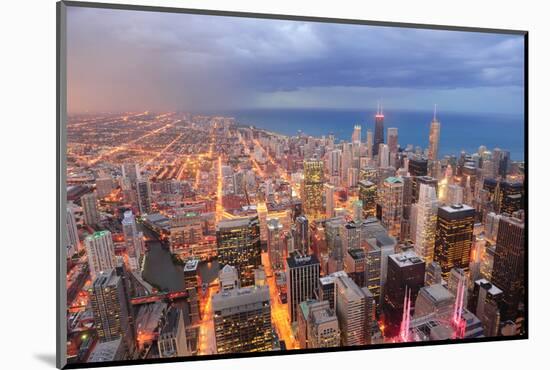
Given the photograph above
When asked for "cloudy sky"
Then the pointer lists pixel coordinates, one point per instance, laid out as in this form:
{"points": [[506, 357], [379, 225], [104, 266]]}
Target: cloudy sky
{"points": [[129, 60]]}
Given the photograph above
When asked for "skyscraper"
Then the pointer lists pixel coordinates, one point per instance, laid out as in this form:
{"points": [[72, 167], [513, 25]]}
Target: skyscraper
{"points": [[335, 163], [426, 222], [111, 309], [405, 274], [329, 200], [384, 156], [132, 240], [508, 197], [454, 234], [242, 320], [301, 234], [302, 279], [485, 303], [509, 264], [322, 326], [192, 283], [275, 247], [367, 195], [356, 136], [89, 209], [391, 201], [378, 130], [172, 341], [435, 128], [355, 310], [143, 187], [369, 144], [238, 242], [393, 142], [100, 251], [313, 188]]}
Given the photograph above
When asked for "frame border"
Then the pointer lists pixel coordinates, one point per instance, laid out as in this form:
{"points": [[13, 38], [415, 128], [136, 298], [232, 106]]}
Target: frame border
{"points": [[61, 143]]}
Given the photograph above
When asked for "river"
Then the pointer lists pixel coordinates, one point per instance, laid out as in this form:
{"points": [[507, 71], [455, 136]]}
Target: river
{"points": [[161, 272]]}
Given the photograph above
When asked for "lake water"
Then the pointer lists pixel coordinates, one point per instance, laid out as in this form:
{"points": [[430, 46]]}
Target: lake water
{"points": [[459, 131]]}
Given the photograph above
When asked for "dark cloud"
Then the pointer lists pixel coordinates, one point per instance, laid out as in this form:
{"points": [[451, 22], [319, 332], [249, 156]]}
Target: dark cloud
{"points": [[145, 60]]}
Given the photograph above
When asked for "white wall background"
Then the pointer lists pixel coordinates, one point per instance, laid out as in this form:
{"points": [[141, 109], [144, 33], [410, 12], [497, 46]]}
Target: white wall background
{"points": [[27, 167]]}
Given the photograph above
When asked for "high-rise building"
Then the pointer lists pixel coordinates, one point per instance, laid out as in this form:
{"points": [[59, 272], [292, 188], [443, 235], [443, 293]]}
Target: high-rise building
{"points": [[335, 163], [405, 275], [302, 279], [186, 229], [238, 243], [391, 201], [485, 303], [433, 299], [100, 251], [143, 188], [326, 287], [172, 341], [373, 269], [509, 197], [419, 180], [301, 234], [384, 156], [426, 222], [491, 225], [356, 136], [275, 246], [393, 143], [454, 237], [457, 278], [433, 273], [192, 284], [72, 230], [378, 130], [89, 209], [228, 278], [329, 200], [455, 194], [242, 320], [353, 177], [350, 234], [355, 265], [322, 326], [418, 166], [110, 308], [132, 240], [369, 144], [355, 311], [367, 195], [509, 265], [433, 149], [313, 188]]}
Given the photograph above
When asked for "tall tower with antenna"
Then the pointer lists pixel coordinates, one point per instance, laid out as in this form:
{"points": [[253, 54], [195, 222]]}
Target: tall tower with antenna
{"points": [[378, 129], [435, 128]]}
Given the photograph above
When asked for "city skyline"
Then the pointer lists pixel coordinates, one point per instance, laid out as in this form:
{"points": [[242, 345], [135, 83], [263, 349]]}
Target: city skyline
{"points": [[192, 233]]}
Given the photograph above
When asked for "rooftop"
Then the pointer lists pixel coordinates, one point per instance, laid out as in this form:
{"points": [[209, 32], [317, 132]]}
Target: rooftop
{"points": [[454, 208], [407, 258], [105, 351]]}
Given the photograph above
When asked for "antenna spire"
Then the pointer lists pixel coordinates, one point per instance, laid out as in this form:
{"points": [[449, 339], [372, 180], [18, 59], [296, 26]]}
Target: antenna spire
{"points": [[435, 112]]}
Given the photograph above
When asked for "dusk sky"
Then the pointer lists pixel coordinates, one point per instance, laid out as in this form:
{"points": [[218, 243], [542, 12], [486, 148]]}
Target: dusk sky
{"points": [[130, 60]]}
